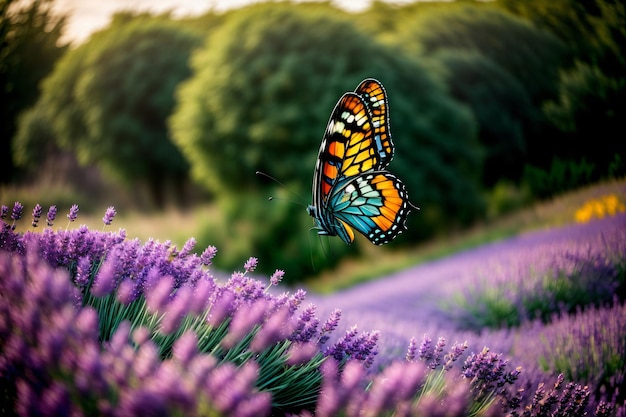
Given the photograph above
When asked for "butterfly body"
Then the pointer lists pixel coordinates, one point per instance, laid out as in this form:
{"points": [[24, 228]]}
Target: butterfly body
{"points": [[351, 188]]}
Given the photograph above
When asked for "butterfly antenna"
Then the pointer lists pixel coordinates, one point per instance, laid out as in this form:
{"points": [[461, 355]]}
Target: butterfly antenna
{"points": [[278, 182]]}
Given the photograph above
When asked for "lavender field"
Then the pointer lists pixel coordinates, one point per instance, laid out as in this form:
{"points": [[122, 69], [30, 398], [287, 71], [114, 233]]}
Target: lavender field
{"points": [[94, 323]]}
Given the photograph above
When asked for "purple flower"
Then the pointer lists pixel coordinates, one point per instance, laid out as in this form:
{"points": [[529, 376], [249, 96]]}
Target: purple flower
{"points": [[186, 347], [208, 255], [127, 292], [329, 326], [306, 326], [4, 212], [16, 214], [244, 321], [73, 214], [109, 214], [277, 276], [275, 328], [187, 247], [176, 310], [441, 343], [410, 353], [37, 211], [52, 213], [83, 271], [425, 353], [251, 264], [158, 297], [105, 281], [300, 353], [455, 353], [222, 307]]}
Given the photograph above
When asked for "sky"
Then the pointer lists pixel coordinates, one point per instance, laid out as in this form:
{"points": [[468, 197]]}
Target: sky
{"points": [[87, 16]]}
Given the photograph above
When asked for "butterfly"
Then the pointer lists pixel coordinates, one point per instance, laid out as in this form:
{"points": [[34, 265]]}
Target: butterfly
{"points": [[351, 188]]}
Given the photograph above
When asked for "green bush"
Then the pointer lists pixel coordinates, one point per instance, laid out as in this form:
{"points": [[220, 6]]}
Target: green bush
{"points": [[563, 175], [262, 90]]}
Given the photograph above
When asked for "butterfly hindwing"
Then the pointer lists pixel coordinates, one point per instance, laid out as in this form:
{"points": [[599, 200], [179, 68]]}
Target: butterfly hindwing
{"points": [[375, 204]]}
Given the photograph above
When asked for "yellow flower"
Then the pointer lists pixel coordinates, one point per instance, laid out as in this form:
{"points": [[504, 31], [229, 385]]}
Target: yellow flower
{"points": [[608, 205]]}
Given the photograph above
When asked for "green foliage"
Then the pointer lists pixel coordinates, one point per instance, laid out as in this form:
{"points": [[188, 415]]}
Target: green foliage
{"points": [[29, 47], [561, 176], [292, 387], [594, 30], [108, 100], [262, 92], [591, 106], [500, 104], [531, 55], [277, 232], [505, 197], [33, 140]]}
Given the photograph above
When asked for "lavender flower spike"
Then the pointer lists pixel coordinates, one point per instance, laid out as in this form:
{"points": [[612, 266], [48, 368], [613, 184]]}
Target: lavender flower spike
{"points": [[52, 213], [109, 214], [4, 211], [251, 264], [37, 211], [410, 353], [17, 211], [277, 276], [73, 214], [207, 256]]}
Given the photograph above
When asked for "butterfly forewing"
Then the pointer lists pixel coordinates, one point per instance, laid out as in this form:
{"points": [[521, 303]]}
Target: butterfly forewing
{"points": [[347, 148], [375, 97]]}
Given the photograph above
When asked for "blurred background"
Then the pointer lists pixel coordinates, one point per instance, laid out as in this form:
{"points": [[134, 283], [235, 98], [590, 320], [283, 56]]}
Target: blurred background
{"points": [[166, 111]]}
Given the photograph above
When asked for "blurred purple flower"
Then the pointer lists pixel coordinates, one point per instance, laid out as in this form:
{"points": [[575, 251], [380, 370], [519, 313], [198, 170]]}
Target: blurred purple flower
{"points": [[52, 213], [105, 280], [16, 214], [300, 353], [187, 247], [441, 343], [73, 214], [425, 352], [251, 264], [4, 212], [244, 320], [412, 349], [222, 307], [208, 255], [277, 276], [455, 353], [186, 348], [83, 271], [109, 214], [37, 212], [176, 310], [158, 297], [277, 327]]}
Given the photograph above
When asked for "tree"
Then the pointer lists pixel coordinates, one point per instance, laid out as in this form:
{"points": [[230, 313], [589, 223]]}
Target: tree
{"points": [[590, 111], [108, 100], [501, 107], [533, 56], [29, 47], [593, 30], [263, 88]]}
